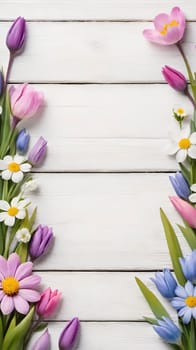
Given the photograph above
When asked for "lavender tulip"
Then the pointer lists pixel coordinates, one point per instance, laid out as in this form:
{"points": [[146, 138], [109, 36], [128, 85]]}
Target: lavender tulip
{"points": [[43, 342], [69, 335], [41, 241], [16, 35], [38, 152], [22, 141]]}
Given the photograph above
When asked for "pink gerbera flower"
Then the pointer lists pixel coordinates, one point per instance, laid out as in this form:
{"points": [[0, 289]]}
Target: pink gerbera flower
{"points": [[17, 285], [169, 29]]}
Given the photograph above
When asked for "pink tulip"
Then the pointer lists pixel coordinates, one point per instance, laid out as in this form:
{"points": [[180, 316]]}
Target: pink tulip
{"points": [[169, 29], [25, 101], [174, 78], [48, 302], [186, 211]]}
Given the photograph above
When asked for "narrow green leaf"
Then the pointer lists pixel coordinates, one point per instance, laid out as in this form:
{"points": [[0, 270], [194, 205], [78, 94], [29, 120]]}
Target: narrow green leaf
{"points": [[17, 335], [1, 331], [157, 308], [189, 235], [22, 251], [151, 320], [185, 172], [40, 327], [32, 219], [174, 248]]}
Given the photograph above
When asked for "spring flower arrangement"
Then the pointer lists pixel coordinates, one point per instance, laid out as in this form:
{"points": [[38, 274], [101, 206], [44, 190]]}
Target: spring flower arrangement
{"points": [[178, 288], [24, 307]]}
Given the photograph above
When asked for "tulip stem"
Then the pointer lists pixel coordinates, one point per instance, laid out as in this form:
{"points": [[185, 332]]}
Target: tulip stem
{"points": [[11, 58], [190, 74], [187, 93]]}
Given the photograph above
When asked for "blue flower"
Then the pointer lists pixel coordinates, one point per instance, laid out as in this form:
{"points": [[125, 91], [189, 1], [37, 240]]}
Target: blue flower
{"points": [[165, 283], [185, 302], [188, 265], [180, 185], [22, 141], [168, 331]]}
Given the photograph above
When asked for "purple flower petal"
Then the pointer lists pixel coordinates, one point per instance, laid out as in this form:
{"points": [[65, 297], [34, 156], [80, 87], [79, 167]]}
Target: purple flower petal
{"points": [[7, 305], [12, 264], [20, 304], [30, 282], [24, 270], [3, 266], [30, 295]]}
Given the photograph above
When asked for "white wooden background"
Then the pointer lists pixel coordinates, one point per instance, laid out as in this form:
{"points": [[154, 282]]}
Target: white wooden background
{"points": [[106, 118]]}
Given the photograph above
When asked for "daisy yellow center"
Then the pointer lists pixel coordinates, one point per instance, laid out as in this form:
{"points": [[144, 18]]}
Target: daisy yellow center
{"points": [[14, 167], [166, 26], [10, 286], [190, 301], [180, 111], [184, 143], [13, 211]]}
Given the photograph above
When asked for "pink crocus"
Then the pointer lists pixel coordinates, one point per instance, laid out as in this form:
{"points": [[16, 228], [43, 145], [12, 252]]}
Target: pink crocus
{"points": [[48, 302], [17, 285], [186, 211], [169, 29], [25, 101]]}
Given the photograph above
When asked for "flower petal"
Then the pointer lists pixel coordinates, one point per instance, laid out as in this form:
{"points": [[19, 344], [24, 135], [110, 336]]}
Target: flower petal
{"points": [[25, 167], [21, 214], [9, 220], [30, 295], [22, 204], [192, 151], [30, 282], [172, 148], [193, 138], [18, 159], [21, 304], [160, 21], [7, 305], [189, 288], [3, 164], [3, 266], [193, 187], [8, 159], [12, 264], [180, 292], [181, 155], [6, 174], [3, 215], [192, 198], [4, 205], [17, 177], [24, 270]]}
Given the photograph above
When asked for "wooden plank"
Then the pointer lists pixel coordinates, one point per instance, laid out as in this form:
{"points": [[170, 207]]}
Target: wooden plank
{"points": [[91, 10], [105, 221], [101, 296], [107, 335], [94, 52]]}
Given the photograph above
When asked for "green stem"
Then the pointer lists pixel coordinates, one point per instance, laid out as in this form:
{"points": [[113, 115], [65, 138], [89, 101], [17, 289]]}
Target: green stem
{"points": [[188, 67], [11, 58]]}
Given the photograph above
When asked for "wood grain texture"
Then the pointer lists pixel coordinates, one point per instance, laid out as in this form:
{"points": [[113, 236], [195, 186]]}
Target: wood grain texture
{"points": [[103, 336], [94, 52], [91, 10], [105, 221]]}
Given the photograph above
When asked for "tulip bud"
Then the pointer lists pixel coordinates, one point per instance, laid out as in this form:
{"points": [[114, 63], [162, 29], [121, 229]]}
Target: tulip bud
{"points": [[48, 303], [16, 35], [69, 335], [41, 241], [38, 152], [165, 283], [186, 211], [22, 141], [43, 342], [180, 185], [174, 78]]}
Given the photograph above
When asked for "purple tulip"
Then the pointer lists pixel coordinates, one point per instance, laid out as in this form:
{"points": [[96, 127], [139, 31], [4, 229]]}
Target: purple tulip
{"points": [[69, 335], [174, 78], [38, 152], [16, 35], [22, 141], [43, 342], [41, 241]]}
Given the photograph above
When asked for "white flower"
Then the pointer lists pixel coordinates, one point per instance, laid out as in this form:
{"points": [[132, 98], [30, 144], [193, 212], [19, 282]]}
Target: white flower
{"points": [[192, 197], [13, 211], [23, 235], [30, 186], [180, 112], [183, 144], [14, 167]]}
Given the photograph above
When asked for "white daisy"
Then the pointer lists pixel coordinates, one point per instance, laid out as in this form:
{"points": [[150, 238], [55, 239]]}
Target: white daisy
{"points": [[30, 186], [14, 167], [183, 144], [192, 197], [13, 211], [23, 235]]}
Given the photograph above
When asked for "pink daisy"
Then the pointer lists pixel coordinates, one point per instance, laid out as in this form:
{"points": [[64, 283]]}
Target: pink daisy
{"points": [[17, 285]]}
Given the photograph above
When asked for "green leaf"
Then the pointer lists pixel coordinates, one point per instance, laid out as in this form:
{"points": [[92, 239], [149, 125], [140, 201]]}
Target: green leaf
{"points": [[1, 330], [22, 251], [189, 235], [151, 320], [157, 308], [40, 327], [185, 172], [14, 338], [174, 248], [32, 219]]}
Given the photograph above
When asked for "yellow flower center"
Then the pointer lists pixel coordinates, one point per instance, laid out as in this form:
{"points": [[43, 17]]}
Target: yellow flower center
{"points": [[13, 211], [190, 301], [14, 167], [10, 286], [184, 143], [166, 26], [180, 111]]}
